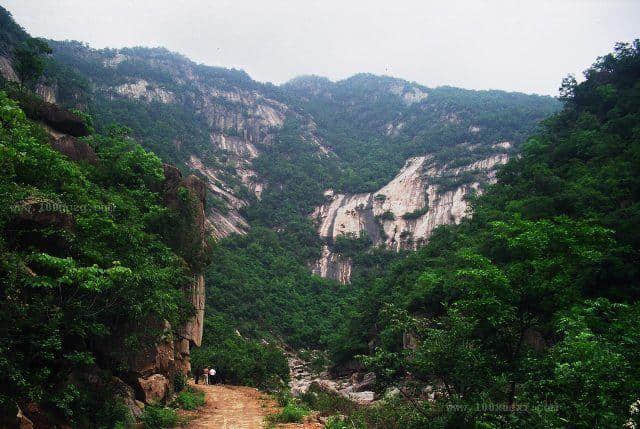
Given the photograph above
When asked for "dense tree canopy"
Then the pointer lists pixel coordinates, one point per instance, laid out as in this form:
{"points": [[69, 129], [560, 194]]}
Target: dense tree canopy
{"points": [[530, 304]]}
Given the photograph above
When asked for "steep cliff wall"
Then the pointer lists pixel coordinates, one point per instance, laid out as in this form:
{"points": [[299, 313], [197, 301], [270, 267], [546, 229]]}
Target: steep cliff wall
{"points": [[164, 351], [402, 214]]}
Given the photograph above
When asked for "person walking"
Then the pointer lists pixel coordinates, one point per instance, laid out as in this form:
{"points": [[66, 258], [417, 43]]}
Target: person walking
{"points": [[205, 376], [212, 373]]}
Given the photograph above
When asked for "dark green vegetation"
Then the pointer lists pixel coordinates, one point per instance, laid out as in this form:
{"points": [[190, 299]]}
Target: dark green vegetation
{"points": [[293, 409], [532, 304], [238, 360], [89, 262], [189, 399], [374, 123], [82, 259], [524, 316], [262, 281]]}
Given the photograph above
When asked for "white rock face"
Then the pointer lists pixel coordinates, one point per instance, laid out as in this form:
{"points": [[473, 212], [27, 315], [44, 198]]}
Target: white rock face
{"points": [[143, 90], [380, 214], [220, 224], [409, 94], [333, 266], [48, 93], [115, 60], [7, 71]]}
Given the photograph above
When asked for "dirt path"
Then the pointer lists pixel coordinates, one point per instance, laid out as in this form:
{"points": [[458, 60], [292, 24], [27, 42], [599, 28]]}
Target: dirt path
{"points": [[236, 407]]}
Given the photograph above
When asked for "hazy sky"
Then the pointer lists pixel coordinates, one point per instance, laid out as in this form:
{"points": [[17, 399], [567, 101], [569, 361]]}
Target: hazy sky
{"points": [[515, 45]]}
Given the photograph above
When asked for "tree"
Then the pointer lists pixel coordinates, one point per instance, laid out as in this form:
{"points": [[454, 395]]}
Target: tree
{"points": [[30, 60]]}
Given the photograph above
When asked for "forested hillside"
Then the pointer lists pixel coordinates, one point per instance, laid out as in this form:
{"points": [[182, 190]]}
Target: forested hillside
{"points": [[269, 153], [91, 255], [485, 243], [531, 305], [101, 258]]}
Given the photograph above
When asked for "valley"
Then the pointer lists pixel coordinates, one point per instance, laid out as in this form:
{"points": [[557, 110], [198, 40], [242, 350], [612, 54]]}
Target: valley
{"points": [[367, 252]]}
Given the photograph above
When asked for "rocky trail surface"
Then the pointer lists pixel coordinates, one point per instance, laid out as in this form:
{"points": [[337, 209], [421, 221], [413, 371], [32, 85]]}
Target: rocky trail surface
{"points": [[237, 407]]}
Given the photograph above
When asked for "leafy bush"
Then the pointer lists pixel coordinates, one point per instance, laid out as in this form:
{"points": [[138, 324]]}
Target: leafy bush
{"points": [[349, 244], [189, 399], [327, 402], [157, 417], [179, 382], [388, 215], [291, 413], [416, 213]]}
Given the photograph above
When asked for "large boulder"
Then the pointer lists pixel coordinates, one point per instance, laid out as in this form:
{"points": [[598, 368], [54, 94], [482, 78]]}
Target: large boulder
{"points": [[127, 395], [34, 214], [158, 357], [42, 212], [75, 149], [59, 119], [362, 382], [154, 388], [192, 331]]}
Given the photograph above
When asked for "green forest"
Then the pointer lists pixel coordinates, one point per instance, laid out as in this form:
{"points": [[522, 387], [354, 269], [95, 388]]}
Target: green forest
{"points": [[523, 315]]}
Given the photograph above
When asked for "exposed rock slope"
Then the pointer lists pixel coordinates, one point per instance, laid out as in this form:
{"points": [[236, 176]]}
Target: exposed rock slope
{"points": [[403, 213], [219, 122]]}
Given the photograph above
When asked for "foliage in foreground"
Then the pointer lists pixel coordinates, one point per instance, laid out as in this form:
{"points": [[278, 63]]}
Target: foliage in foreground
{"points": [[292, 412], [158, 417], [100, 267], [189, 399]]}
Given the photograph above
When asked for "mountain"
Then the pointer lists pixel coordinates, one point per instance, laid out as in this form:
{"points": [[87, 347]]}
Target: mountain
{"points": [[344, 138], [531, 304], [486, 262]]}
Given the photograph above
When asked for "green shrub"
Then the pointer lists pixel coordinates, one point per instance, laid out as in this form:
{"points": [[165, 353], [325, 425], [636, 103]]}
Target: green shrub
{"points": [[336, 422], [327, 402], [189, 399], [157, 417], [291, 413], [415, 214], [388, 215], [350, 244], [179, 382]]}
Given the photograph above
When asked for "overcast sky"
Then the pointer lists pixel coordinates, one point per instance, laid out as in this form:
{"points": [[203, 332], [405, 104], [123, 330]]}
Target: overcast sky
{"points": [[526, 46]]}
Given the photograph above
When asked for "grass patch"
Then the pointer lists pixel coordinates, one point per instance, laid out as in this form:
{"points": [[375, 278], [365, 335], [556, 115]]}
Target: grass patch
{"points": [[158, 417], [292, 412], [189, 399]]}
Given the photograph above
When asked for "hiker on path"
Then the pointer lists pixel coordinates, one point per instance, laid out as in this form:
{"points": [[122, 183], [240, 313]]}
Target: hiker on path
{"points": [[205, 375], [212, 373]]}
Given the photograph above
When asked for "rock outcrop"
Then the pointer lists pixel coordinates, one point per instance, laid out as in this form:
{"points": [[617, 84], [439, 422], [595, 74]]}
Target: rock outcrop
{"points": [[56, 117], [403, 213], [333, 266], [155, 388], [358, 387], [75, 149], [7, 71]]}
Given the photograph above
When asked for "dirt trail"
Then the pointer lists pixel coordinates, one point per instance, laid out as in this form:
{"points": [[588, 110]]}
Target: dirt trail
{"points": [[237, 407]]}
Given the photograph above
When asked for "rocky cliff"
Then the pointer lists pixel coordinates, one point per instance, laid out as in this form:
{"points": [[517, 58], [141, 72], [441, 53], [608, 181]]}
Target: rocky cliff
{"points": [[165, 350], [402, 214], [222, 125]]}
